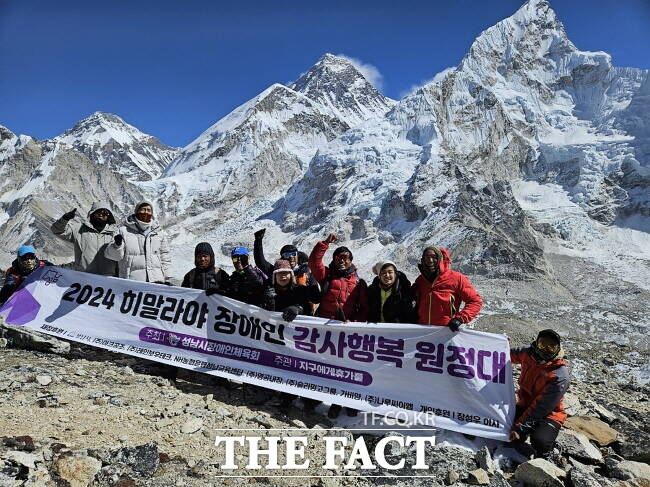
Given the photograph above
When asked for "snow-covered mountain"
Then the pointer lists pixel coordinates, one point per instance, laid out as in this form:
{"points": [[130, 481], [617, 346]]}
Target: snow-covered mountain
{"points": [[107, 139], [528, 147]]}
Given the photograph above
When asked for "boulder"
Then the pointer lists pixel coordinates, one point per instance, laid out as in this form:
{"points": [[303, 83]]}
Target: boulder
{"points": [[593, 428], [478, 477], [77, 471], [539, 473], [26, 339], [578, 446], [484, 460], [627, 470], [192, 426]]}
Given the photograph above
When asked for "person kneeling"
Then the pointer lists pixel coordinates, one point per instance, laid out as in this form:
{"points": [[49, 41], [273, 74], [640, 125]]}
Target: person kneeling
{"points": [[543, 381]]}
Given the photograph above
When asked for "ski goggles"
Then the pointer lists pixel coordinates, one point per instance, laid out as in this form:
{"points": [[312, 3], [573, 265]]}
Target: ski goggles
{"points": [[286, 255]]}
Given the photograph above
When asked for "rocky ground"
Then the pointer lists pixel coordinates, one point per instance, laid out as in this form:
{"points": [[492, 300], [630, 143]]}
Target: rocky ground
{"points": [[84, 416]]}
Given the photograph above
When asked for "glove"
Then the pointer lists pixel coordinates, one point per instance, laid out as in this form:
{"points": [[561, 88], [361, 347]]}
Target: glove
{"points": [[118, 239], [289, 314], [331, 238], [269, 293], [211, 290], [454, 324], [259, 235], [69, 215]]}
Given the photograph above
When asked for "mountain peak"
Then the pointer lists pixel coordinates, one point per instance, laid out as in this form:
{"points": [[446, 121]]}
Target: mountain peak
{"points": [[339, 85]]}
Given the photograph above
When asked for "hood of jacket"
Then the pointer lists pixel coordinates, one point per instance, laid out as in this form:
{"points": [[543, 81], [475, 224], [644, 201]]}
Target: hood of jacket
{"points": [[444, 264], [98, 205]]}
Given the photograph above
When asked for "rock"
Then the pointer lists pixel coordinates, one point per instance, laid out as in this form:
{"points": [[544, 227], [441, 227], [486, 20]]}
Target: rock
{"points": [[22, 443], [452, 477], [3, 342], [297, 423], [142, 459], [581, 476], [208, 398], [192, 426], [484, 460], [539, 473], [633, 444], [43, 379], [100, 401], [577, 445], [220, 410], [592, 428], [604, 413], [478, 477], [262, 420], [28, 460], [498, 480], [77, 471], [26, 339], [572, 405], [48, 401], [627, 470]]}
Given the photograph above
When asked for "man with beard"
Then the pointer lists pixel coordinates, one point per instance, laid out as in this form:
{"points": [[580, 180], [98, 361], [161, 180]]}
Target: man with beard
{"points": [[140, 247], [543, 381], [90, 238], [25, 263], [439, 292], [344, 294], [205, 275]]}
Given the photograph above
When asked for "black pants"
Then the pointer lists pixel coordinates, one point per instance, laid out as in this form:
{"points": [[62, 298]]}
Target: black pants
{"points": [[543, 436]]}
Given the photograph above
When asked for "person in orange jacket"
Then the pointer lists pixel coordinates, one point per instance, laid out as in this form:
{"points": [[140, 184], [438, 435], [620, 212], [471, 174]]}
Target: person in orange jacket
{"points": [[439, 292], [543, 381]]}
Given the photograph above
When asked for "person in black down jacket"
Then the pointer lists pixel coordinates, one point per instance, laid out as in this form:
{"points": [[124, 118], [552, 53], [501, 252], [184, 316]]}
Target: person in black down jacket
{"points": [[205, 275], [390, 299], [246, 282]]}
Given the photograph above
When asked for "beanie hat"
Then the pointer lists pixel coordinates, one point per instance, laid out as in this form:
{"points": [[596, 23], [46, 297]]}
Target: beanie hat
{"points": [[239, 251], [144, 203], [550, 334], [26, 249], [436, 250], [377, 268], [288, 248], [341, 250], [204, 248]]}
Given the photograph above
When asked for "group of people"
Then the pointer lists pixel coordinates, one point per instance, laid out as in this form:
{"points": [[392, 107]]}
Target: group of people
{"points": [[297, 284]]}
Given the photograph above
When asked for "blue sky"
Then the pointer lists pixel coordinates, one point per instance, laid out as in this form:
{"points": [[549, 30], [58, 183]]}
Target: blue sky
{"points": [[173, 68]]}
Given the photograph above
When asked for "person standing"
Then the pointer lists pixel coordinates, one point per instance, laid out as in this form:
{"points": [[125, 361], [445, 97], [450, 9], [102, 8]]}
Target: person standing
{"points": [[140, 247], [90, 238], [246, 281], [25, 263], [390, 299], [440, 291], [288, 252], [344, 294], [205, 274]]}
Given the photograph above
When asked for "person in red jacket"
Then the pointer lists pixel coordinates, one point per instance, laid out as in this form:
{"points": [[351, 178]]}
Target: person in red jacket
{"points": [[439, 292], [543, 381], [344, 293]]}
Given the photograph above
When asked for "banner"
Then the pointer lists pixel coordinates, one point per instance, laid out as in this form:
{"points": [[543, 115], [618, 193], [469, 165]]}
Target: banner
{"points": [[463, 380]]}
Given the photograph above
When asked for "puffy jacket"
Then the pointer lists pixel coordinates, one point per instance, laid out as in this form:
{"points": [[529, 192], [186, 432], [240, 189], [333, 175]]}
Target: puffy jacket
{"points": [[89, 244], [247, 286], [439, 301], [294, 295], [399, 306], [207, 279], [14, 277], [344, 294], [541, 389], [143, 256]]}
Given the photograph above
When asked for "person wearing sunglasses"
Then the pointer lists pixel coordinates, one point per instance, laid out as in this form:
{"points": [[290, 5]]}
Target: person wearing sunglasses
{"points": [[247, 281], [543, 381], [25, 263], [288, 252], [89, 236]]}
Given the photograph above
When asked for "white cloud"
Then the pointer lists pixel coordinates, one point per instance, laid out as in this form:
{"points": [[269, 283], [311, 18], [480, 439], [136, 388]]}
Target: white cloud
{"points": [[438, 77], [370, 72]]}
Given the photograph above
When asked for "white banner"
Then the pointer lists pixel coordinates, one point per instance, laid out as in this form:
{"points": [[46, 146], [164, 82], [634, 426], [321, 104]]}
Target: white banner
{"points": [[462, 380]]}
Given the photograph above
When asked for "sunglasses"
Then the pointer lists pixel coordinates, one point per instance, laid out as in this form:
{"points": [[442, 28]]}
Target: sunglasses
{"points": [[102, 213], [289, 254], [236, 259]]}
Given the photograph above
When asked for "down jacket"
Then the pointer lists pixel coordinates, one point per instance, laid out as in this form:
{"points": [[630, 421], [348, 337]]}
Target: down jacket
{"points": [[440, 300], [541, 389], [399, 306], [143, 256], [89, 244], [344, 294]]}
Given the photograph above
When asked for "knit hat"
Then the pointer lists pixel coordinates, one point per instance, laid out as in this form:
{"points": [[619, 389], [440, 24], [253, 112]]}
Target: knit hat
{"points": [[282, 265], [436, 250], [144, 203], [550, 334], [341, 250], [204, 248], [288, 248], [377, 268]]}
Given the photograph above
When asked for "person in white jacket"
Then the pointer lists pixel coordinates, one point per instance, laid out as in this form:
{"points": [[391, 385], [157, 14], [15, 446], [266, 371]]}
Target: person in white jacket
{"points": [[140, 247]]}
